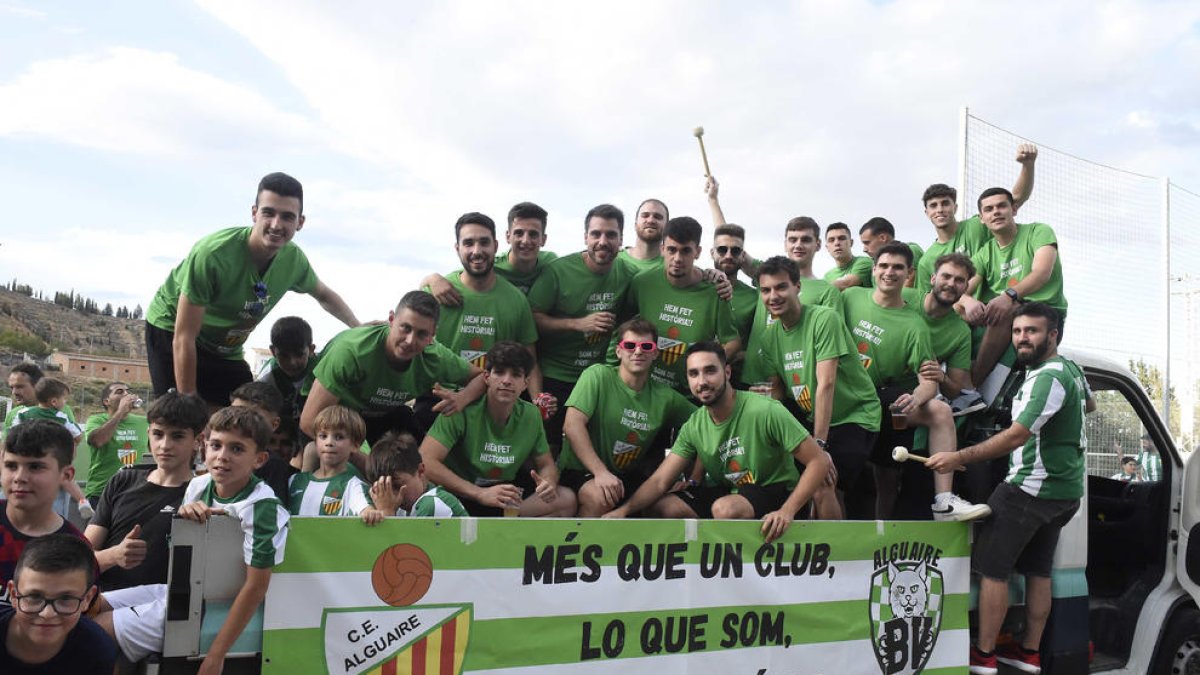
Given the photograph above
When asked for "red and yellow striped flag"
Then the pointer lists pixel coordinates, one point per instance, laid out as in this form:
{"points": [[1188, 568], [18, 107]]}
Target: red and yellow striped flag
{"points": [[440, 652]]}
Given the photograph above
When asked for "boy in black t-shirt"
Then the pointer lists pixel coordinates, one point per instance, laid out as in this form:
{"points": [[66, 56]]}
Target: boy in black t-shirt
{"points": [[133, 518]]}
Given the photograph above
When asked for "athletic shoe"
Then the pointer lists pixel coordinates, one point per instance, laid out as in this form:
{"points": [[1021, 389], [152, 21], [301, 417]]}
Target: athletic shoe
{"points": [[1016, 656], [958, 509], [86, 510], [982, 665], [968, 401]]}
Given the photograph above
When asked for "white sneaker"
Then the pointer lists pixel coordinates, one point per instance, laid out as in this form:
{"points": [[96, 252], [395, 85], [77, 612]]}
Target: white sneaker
{"points": [[958, 509], [968, 401], [86, 510]]}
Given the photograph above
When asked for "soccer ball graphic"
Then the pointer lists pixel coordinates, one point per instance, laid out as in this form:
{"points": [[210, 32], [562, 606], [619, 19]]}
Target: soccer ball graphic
{"points": [[401, 575]]}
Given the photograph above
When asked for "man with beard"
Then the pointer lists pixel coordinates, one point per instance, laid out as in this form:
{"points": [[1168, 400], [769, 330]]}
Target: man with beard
{"points": [[746, 443], [683, 306], [521, 265], [1040, 494], [729, 256], [649, 221], [950, 336], [575, 304]]}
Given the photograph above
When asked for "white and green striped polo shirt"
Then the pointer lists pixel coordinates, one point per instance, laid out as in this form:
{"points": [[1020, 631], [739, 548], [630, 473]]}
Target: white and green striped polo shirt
{"points": [[264, 519], [342, 495], [1051, 404]]}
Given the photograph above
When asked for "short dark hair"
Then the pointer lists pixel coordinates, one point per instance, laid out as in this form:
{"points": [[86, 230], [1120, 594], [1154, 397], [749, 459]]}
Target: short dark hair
{"points": [[55, 554], [837, 226], [801, 223], [262, 394], [508, 355], [896, 248], [182, 411], [939, 190], [341, 418], [992, 192], [778, 264], [474, 218], [1128, 460], [956, 258], [420, 302], [730, 230], [108, 389], [393, 453], [1040, 309], [637, 325], [41, 438], [607, 212], [685, 230], [48, 388], [527, 210], [711, 346], [878, 225], [291, 335], [29, 369], [281, 184], [666, 211], [244, 421]]}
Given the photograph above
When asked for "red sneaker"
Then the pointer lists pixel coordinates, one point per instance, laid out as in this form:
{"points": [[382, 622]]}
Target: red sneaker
{"points": [[981, 664], [1018, 657]]}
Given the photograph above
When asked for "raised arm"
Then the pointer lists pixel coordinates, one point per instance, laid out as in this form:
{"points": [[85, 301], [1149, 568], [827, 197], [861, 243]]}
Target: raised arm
{"points": [[1023, 188]]}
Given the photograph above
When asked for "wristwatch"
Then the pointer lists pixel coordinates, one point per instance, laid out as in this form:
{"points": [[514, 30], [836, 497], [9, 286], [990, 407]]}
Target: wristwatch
{"points": [[1012, 294], [821, 442]]}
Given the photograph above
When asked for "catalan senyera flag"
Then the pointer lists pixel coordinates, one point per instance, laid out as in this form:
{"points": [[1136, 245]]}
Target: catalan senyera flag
{"points": [[440, 652]]}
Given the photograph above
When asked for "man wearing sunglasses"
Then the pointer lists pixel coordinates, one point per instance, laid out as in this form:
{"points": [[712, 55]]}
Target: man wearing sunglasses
{"points": [[45, 630], [211, 302], [613, 419]]}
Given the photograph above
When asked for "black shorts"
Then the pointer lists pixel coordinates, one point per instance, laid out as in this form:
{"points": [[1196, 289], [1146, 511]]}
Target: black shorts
{"points": [[216, 376], [399, 420], [1021, 534], [523, 481], [763, 498], [889, 437], [554, 426], [575, 479], [850, 446]]}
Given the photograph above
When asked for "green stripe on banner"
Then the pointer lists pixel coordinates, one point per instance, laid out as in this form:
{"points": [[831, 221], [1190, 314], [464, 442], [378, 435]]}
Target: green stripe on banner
{"points": [[312, 539]]}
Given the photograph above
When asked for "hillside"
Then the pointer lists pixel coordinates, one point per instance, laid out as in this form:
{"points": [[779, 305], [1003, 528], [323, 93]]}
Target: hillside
{"points": [[68, 330]]}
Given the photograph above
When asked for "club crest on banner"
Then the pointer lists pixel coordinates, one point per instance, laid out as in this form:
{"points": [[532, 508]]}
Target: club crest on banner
{"points": [[906, 615]]}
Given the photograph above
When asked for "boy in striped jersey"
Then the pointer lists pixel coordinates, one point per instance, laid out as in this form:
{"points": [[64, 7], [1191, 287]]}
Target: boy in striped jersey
{"points": [[334, 488], [398, 485], [236, 445]]}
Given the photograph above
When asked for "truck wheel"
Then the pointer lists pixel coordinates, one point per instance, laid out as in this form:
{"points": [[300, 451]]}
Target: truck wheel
{"points": [[1179, 651]]}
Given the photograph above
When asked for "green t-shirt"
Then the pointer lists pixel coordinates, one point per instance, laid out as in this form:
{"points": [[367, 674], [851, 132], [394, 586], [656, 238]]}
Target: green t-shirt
{"points": [[1051, 404], [354, 368], [48, 414], [860, 266], [970, 236], [264, 519], [917, 252], [820, 335], [219, 275], [950, 338], [126, 446], [753, 447], [568, 289], [1003, 267], [637, 265], [343, 495], [485, 453], [892, 342], [812, 292], [523, 281], [18, 409], [744, 304], [683, 316], [622, 423], [438, 502], [483, 319]]}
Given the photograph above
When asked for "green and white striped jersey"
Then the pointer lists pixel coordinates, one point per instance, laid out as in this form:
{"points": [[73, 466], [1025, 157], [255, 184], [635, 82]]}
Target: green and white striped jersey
{"points": [[438, 503], [343, 495], [264, 519], [1051, 404]]}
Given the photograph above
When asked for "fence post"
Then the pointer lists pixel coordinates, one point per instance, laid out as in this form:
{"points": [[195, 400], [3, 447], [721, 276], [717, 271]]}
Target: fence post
{"points": [[1166, 225], [964, 114]]}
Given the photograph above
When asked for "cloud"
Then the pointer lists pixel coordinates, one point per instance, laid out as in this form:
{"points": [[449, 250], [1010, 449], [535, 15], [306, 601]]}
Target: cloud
{"points": [[23, 12], [135, 101]]}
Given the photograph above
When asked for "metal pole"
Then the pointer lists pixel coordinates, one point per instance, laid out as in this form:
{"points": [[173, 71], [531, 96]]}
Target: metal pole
{"points": [[963, 115], [1166, 244]]}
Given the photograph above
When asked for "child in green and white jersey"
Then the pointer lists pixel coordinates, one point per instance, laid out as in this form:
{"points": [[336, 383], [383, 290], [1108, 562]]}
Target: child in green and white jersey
{"points": [[398, 484], [335, 487]]}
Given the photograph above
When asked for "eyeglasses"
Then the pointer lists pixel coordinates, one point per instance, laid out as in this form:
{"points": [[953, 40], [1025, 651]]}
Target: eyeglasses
{"points": [[64, 605], [735, 251], [630, 345]]}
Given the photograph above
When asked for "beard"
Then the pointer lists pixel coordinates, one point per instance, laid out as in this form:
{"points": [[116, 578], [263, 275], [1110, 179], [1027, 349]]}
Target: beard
{"points": [[715, 394], [1036, 355], [487, 269]]}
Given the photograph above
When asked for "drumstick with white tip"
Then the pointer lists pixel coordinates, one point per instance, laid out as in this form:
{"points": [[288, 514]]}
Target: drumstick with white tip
{"points": [[901, 454], [698, 132]]}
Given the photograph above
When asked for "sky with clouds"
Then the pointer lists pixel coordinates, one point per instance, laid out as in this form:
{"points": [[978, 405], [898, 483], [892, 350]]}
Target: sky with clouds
{"points": [[130, 129]]}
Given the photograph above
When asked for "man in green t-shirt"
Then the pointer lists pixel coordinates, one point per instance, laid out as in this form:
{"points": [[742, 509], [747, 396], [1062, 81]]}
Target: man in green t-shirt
{"points": [[967, 237], [480, 454], [848, 269], [748, 446], [1045, 445], [650, 220], [812, 362], [117, 439], [376, 369], [729, 256], [1019, 263], [521, 265], [683, 306], [614, 417], [878, 231], [211, 302], [950, 336], [575, 304], [893, 343]]}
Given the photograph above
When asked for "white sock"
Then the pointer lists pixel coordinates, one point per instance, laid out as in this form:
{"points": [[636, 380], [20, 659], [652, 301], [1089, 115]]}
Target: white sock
{"points": [[942, 497]]}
